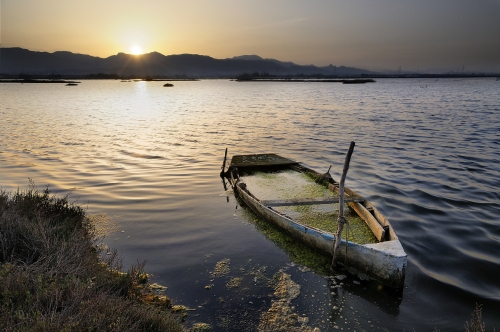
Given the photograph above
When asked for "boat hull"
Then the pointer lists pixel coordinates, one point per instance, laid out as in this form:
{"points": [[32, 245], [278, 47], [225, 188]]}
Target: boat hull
{"points": [[383, 261]]}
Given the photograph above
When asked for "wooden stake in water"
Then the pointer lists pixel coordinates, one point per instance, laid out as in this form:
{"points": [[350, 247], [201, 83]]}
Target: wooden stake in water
{"points": [[223, 165], [341, 220]]}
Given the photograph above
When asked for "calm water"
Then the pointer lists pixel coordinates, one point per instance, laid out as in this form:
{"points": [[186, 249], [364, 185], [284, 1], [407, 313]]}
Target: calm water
{"points": [[427, 155]]}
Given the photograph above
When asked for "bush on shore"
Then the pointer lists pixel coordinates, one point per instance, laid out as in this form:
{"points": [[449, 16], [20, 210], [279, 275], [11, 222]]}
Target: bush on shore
{"points": [[55, 277]]}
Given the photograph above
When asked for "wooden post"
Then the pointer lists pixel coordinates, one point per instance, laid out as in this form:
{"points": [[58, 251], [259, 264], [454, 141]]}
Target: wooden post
{"points": [[223, 165], [341, 220]]}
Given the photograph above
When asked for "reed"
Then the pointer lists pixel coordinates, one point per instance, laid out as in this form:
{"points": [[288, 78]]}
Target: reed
{"points": [[476, 323]]}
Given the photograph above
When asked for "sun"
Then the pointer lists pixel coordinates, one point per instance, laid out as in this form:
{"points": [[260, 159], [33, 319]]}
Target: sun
{"points": [[136, 49]]}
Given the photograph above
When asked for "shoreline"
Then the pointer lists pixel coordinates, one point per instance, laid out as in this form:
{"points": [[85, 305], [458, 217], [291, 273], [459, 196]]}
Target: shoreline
{"points": [[55, 275]]}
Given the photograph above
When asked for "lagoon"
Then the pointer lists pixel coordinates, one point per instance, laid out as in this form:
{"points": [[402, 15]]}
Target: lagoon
{"points": [[427, 155]]}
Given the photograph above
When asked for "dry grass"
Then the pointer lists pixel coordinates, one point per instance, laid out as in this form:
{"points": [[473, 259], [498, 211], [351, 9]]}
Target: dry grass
{"points": [[54, 277], [476, 324]]}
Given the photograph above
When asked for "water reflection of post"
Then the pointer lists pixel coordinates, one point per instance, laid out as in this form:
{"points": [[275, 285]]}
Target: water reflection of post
{"points": [[225, 187], [222, 174]]}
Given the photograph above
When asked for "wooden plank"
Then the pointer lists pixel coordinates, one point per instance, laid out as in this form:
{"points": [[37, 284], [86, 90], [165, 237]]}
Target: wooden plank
{"points": [[370, 220], [308, 201], [382, 220], [253, 160]]}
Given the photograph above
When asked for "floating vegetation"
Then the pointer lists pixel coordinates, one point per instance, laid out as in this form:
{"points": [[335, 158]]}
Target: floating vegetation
{"points": [[200, 327], [241, 308], [257, 272], [234, 283], [258, 299], [179, 307], [221, 268], [157, 288], [281, 316], [292, 184]]}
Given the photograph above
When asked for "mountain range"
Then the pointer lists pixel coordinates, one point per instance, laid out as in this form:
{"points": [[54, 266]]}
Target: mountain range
{"points": [[15, 61]]}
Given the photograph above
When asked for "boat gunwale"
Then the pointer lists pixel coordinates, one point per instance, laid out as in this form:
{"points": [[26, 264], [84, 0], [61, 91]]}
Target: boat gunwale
{"points": [[303, 169]]}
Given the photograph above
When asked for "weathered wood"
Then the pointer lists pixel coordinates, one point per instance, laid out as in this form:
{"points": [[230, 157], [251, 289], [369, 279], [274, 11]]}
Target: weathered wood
{"points": [[391, 235], [225, 158], [308, 201], [370, 220], [341, 220], [223, 164], [255, 160]]}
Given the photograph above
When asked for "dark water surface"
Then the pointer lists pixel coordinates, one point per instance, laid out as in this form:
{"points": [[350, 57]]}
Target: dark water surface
{"points": [[427, 155]]}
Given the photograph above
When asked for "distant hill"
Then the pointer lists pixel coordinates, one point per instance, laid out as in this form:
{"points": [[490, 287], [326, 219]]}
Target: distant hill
{"points": [[328, 70], [14, 61]]}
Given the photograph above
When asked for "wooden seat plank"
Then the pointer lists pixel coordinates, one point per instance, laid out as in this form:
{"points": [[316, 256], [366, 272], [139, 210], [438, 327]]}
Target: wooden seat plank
{"points": [[308, 201]]}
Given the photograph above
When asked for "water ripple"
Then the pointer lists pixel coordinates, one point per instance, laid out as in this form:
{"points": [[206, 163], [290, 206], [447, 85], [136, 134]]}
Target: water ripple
{"points": [[426, 155]]}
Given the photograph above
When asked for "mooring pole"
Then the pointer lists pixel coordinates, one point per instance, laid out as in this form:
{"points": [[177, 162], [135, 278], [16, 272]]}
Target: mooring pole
{"points": [[341, 220], [223, 165]]}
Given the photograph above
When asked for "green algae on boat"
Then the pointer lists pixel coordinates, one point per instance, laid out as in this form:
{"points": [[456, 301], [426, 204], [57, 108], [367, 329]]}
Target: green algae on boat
{"points": [[292, 184], [357, 230], [285, 184]]}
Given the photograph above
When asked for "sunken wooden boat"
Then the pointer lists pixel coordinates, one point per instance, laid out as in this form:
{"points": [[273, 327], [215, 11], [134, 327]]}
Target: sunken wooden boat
{"points": [[288, 194]]}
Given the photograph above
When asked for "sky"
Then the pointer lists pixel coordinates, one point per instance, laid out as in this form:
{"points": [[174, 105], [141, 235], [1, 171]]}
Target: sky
{"points": [[427, 36]]}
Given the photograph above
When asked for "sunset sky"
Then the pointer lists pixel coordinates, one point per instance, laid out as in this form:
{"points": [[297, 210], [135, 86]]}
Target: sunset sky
{"points": [[370, 34]]}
